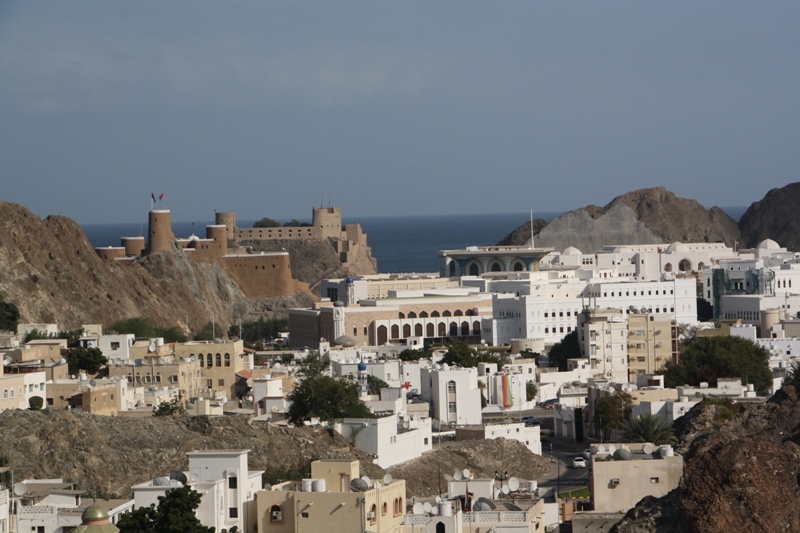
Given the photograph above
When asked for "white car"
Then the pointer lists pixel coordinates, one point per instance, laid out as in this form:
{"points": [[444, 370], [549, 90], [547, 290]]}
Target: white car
{"points": [[579, 462]]}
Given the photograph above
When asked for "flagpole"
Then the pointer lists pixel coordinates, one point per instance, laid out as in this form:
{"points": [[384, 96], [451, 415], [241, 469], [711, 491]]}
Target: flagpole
{"points": [[532, 229]]}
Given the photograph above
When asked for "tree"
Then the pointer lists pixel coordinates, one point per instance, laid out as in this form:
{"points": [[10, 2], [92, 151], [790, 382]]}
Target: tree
{"points": [[89, 360], [173, 334], [459, 353], [648, 428], [530, 391], [170, 408], [706, 359], [9, 316], [208, 333], [413, 355], [567, 348], [611, 411], [266, 223], [141, 327], [375, 384], [175, 513], [294, 223], [263, 328], [35, 403]]}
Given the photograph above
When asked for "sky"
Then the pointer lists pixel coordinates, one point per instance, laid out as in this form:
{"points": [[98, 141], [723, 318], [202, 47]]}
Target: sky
{"points": [[392, 108]]}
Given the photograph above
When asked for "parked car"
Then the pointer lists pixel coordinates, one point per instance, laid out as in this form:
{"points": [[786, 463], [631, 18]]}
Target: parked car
{"points": [[579, 462], [587, 454], [551, 401], [531, 421]]}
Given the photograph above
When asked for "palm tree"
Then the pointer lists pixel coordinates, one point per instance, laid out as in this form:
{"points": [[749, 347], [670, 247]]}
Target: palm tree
{"points": [[648, 428]]}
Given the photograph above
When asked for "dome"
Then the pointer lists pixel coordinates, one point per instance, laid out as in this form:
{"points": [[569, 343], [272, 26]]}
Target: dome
{"points": [[768, 244], [94, 513], [676, 247], [338, 303], [345, 342], [362, 366], [571, 251]]}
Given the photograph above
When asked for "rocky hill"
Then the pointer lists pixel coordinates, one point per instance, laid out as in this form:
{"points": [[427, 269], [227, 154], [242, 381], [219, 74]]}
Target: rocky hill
{"points": [[315, 260], [742, 471], [774, 217], [522, 234], [113, 453], [50, 271], [640, 217]]}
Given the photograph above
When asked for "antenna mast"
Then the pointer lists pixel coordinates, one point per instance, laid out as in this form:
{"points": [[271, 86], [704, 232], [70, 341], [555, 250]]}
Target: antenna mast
{"points": [[531, 228]]}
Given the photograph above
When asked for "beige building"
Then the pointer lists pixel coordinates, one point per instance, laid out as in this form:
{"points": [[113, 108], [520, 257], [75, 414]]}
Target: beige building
{"points": [[294, 507], [183, 374], [603, 337], [642, 470], [222, 365], [652, 341], [102, 399]]}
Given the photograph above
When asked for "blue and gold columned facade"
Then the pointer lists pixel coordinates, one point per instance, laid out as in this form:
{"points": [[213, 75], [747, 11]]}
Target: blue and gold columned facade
{"points": [[478, 260]]}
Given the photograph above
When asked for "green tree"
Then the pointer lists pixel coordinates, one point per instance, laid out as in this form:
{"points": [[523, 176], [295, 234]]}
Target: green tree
{"points": [[567, 348], [706, 359], [263, 328], [413, 355], [175, 513], [611, 411], [170, 408], [294, 223], [530, 391], [35, 335], [266, 223], [9, 316], [141, 327], [208, 333], [375, 384], [648, 428], [326, 398], [89, 360], [459, 353], [35, 403], [172, 334]]}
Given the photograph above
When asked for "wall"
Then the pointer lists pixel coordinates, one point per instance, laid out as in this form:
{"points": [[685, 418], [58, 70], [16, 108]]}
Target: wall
{"points": [[634, 481], [263, 275]]}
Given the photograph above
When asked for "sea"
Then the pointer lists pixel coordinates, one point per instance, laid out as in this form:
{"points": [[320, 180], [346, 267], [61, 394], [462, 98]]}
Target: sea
{"points": [[399, 243]]}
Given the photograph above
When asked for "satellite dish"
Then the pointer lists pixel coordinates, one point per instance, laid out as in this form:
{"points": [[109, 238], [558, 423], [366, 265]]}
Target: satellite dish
{"points": [[471, 476], [458, 476], [151, 347], [387, 479], [466, 473], [92, 383], [190, 405], [20, 488], [648, 448], [180, 476], [511, 507], [593, 450], [505, 489], [161, 481], [643, 310], [359, 485], [427, 507], [438, 499], [377, 485], [489, 503], [418, 508], [513, 484], [367, 480], [267, 486], [481, 506], [601, 449], [611, 449], [434, 511], [406, 424], [7, 360]]}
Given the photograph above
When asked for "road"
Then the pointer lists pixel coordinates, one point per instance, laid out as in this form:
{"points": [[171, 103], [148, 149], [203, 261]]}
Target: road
{"points": [[561, 451]]}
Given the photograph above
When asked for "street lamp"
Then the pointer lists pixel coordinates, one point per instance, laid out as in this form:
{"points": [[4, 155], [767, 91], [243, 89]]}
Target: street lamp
{"points": [[501, 476]]}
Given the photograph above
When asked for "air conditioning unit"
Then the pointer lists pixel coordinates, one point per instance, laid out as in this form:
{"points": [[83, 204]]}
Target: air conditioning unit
{"points": [[615, 482], [371, 515]]}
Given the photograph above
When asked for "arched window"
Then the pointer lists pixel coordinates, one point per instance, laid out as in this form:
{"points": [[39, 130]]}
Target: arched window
{"points": [[668, 267], [452, 268], [474, 270], [401, 315], [446, 313], [382, 335], [442, 329], [202, 360], [519, 266], [418, 330], [435, 314], [440, 528], [469, 312], [219, 359], [412, 314], [458, 313], [5, 394], [453, 329], [210, 361], [423, 314], [374, 518], [384, 509], [227, 359], [496, 267], [476, 328], [406, 331], [685, 265], [451, 386], [395, 331], [430, 330], [275, 515], [465, 329]]}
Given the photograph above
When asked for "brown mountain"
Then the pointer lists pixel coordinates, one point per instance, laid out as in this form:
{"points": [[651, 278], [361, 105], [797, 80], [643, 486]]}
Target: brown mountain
{"points": [[645, 216], [50, 271], [741, 472], [774, 217]]}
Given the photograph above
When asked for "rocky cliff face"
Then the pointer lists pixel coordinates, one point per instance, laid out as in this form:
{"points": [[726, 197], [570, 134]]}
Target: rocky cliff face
{"points": [[742, 471], [645, 216], [774, 217], [52, 273], [316, 260]]}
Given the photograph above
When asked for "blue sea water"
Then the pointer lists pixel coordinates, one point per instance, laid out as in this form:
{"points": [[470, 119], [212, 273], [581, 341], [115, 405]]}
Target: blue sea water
{"points": [[400, 244]]}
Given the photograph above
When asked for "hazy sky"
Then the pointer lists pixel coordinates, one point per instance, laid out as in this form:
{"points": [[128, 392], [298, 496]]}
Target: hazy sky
{"points": [[392, 108]]}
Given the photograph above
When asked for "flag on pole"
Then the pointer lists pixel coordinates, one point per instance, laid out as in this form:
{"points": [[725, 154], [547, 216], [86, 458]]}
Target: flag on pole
{"points": [[153, 196], [161, 197]]}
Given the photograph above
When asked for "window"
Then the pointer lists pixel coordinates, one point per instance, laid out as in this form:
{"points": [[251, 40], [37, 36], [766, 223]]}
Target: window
{"points": [[218, 359], [158, 378], [227, 359], [233, 482], [233, 512], [653, 480], [384, 509], [209, 384], [221, 382], [5, 394], [451, 407], [115, 346], [210, 360], [276, 514], [451, 386], [425, 440], [372, 511]]}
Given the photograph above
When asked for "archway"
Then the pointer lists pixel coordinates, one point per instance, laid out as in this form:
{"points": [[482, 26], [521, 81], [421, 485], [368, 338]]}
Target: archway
{"points": [[423, 314], [474, 270], [668, 267], [395, 332], [442, 330], [458, 313], [476, 328], [418, 330], [453, 329], [465, 329], [406, 331], [452, 268], [382, 335], [685, 265], [519, 266], [496, 266], [430, 331]]}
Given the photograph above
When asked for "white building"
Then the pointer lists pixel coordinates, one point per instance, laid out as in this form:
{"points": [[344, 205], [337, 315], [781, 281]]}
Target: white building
{"points": [[50, 330], [453, 394], [529, 436], [604, 334], [268, 396], [551, 380], [226, 485], [116, 346], [390, 439], [388, 370], [669, 410], [5, 506]]}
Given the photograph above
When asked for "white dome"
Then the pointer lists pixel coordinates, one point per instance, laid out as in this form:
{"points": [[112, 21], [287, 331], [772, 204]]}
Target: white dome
{"points": [[572, 251], [676, 247], [768, 244]]}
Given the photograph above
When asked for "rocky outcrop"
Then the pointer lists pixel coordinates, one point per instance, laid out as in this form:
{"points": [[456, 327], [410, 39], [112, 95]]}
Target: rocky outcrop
{"points": [[522, 234], [314, 260], [741, 473], [646, 216], [51, 272], [774, 217]]}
